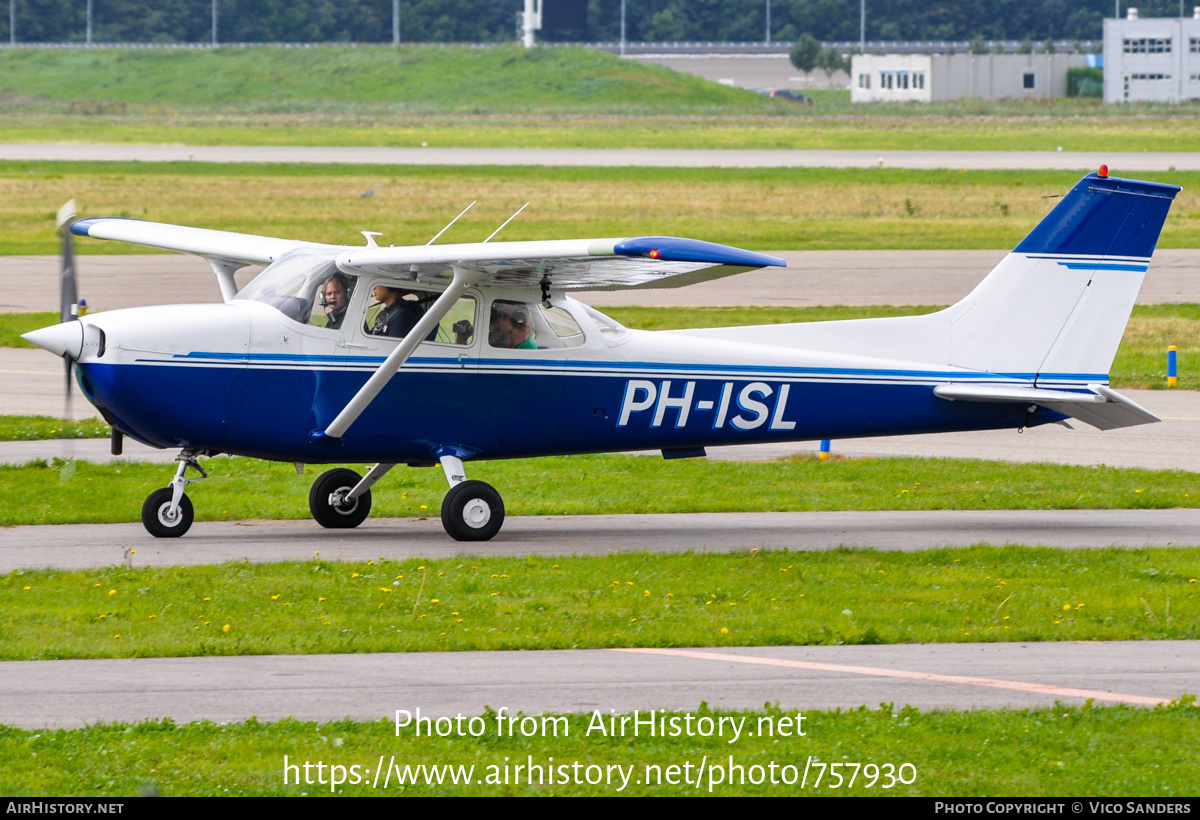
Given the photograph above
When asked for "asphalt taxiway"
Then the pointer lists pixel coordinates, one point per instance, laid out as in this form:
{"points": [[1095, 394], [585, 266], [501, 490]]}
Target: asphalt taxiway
{"points": [[69, 694]]}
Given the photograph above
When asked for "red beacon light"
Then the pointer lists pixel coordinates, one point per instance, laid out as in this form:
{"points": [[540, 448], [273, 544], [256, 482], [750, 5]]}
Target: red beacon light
{"points": [[654, 254], [1103, 171]]}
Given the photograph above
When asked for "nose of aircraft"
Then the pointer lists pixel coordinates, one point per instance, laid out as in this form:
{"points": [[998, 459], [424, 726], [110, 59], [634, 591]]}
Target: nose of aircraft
{"points": [[65, 339]]}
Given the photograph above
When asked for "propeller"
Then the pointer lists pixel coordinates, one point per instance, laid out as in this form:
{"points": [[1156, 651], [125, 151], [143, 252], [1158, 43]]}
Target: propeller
{"points": [[68, 311]]}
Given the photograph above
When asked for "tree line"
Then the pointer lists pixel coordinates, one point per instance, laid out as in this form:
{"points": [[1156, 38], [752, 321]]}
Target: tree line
{"points": [[492, 21]]}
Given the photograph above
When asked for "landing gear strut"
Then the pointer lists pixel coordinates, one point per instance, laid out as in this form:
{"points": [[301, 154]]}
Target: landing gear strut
{"points": [[168, 512], [472, 510]]}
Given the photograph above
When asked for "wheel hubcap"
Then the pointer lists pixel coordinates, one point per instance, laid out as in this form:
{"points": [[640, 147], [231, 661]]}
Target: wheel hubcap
{"points": [[477, 513], [337, 501], [166, 517]]}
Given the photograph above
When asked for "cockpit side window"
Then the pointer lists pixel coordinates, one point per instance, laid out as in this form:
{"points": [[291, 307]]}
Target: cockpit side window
{"points": [[290, 285], [395, 310]]}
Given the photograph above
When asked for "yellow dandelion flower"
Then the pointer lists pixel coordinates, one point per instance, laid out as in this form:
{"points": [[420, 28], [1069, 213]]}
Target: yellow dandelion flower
{"points": [[354, 575], [494, 594], [319, 600], [435, 600], [208, 599], [26, 588], [112, 592], [95, 585], [116, 636], [724, 630], [424, 568], [225, 628], [645, 593], [152, 617], [1066, 607], [274, 597], [424, 506]]}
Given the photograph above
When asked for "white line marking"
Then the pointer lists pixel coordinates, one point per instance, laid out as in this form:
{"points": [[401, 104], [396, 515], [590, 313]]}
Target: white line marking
{"points": [[1018, 686]]}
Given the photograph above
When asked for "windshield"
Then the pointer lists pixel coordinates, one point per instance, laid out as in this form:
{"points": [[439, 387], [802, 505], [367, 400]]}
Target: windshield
{"points": [[290, 284]]}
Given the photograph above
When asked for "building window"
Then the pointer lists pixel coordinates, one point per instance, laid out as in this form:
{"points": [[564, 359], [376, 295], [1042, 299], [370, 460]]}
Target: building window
{"points": [[1030, 79], [864, 81], [1194, 45], [1148, 45], [1149, 77], [902, 79], [886, 80], [918, 79]]}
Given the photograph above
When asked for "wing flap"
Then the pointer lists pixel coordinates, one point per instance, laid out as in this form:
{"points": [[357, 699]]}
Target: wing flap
{"points": [[1103, 407]]}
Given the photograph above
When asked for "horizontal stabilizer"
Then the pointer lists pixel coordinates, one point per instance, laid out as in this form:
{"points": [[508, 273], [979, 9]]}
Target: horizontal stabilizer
{"points": [[1103, 407]]}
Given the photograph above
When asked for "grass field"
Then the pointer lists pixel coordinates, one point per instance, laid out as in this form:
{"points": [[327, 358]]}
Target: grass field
{"points": [[588, 485], [1059, 751], [484, 603], [795, 209], [508, 97], [1140, 361]]}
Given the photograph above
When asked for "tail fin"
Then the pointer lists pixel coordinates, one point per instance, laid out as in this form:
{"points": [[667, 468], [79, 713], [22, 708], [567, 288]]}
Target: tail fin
{"points": [[1056, 307], [1052, 312]]}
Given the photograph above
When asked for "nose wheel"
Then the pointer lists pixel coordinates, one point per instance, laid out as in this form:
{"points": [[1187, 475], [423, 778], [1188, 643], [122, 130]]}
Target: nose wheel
{"points": [[164, 520], [168, 512]]}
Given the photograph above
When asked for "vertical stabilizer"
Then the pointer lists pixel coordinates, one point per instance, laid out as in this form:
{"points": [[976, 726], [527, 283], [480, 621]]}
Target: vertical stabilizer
{"points": [[1056, 307]]}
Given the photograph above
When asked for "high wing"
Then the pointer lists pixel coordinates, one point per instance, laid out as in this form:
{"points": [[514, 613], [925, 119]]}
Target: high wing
{"points": [[568, 264], [227, 245]]}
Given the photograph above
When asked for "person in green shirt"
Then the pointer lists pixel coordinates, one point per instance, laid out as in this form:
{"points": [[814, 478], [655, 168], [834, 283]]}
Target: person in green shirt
{"points": [[510, 326]]}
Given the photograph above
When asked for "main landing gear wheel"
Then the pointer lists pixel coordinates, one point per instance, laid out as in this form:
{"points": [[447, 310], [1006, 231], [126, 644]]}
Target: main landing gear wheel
{"points": [[472, 511], [327, 504], [157, 518]]}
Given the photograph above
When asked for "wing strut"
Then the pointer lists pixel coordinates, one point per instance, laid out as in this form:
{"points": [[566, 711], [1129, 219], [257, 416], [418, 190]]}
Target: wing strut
{"points": [[463, 278]]}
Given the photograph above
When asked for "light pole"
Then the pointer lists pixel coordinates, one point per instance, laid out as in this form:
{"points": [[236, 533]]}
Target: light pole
{"points": [[862, 26], [89, 22], [769, 20], [622, 28], [396, 23], [12, 22]]}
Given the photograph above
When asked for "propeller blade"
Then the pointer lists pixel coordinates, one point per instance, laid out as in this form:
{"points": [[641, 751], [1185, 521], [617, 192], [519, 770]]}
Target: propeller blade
{"points": [[68, 310], [68, 296]]}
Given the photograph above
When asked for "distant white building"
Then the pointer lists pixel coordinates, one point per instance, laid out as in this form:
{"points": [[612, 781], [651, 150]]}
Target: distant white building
{"points": [[1155, 59], [936, 77]]}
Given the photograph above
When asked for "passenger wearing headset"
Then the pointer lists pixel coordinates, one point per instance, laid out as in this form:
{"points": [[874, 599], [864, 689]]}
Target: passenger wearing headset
{"points": [[510, 326]]}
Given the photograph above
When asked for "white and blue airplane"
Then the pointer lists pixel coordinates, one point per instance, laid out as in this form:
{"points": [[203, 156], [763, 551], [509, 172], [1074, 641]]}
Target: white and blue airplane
{"points": [[456, 353]]}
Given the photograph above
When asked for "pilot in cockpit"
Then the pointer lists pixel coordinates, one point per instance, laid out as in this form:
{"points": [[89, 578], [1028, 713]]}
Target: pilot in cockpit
{"points": [[335, 298]]}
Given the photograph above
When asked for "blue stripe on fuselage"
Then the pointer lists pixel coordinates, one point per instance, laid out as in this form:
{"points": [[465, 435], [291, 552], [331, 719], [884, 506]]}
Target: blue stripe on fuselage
{"points": [[269, 413]]}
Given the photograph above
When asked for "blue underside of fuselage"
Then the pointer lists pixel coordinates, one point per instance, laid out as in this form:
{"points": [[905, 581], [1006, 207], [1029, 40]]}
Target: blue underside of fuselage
{"points": [[271, 413]]}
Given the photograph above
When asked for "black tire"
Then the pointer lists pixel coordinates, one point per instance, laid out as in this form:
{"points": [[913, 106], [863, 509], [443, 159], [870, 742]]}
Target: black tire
{"points": [[472, 511], [344, 516], [154, 515]]}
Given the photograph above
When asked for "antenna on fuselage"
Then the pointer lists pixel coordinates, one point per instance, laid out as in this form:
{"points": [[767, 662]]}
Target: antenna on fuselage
{"points": [[451, 222], [510, 219]]}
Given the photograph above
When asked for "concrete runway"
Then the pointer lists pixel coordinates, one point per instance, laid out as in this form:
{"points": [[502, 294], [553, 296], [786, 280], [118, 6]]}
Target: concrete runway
{"points": [[1120, 162], [69, 694]]}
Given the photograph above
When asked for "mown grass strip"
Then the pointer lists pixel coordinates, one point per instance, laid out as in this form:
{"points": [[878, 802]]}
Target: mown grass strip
{"points": [[823, 128], [790, 208], [1063, 751], [240, 489], [755, 598]]}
